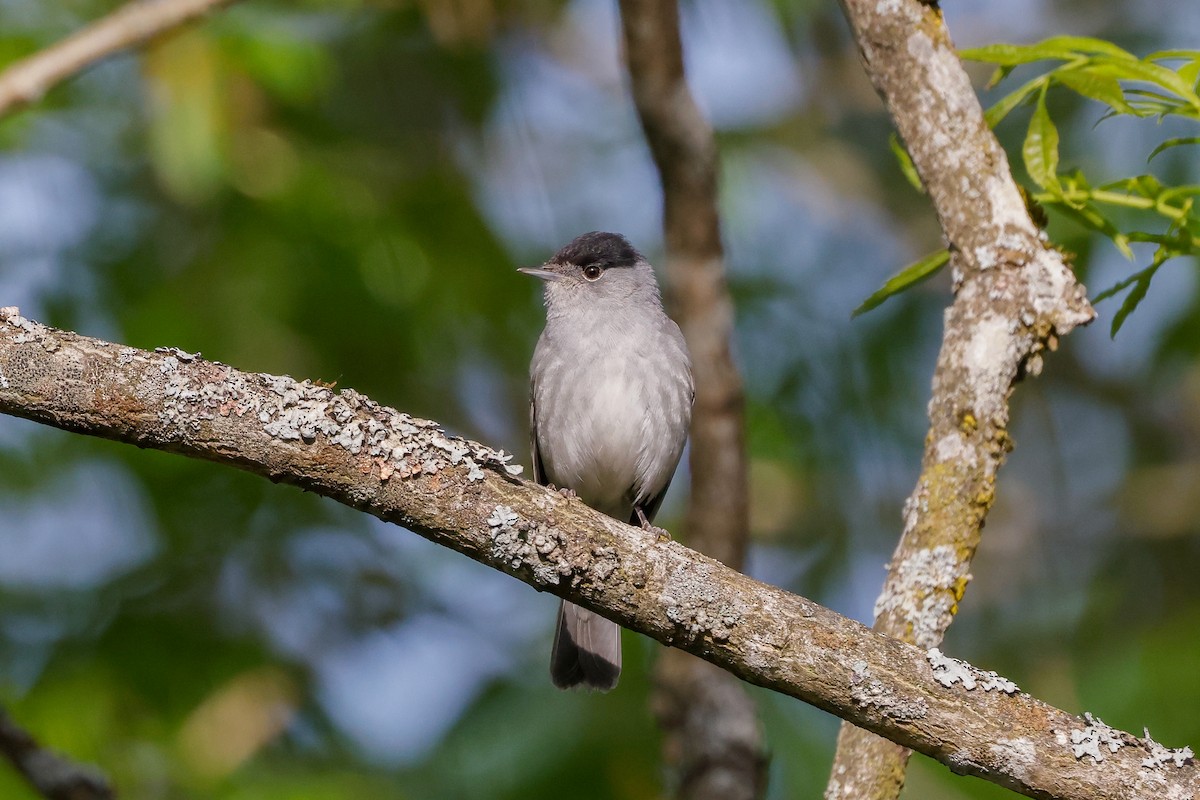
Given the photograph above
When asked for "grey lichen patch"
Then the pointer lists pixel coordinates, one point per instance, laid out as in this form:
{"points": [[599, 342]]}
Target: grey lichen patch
{"points": [[525, 545], [949, 671], [1095, 739], [126, 355], [869, 692], [179, 355], [396, 444], [1016, 755], [921, 590], [31, 332], [992, 345], [691, 599], [1160, 756]]}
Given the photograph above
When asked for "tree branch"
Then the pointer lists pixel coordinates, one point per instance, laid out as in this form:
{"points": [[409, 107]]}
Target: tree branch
{"points": [[710, 723], [1014, 297], [460, 494], [29, 79], [51, 775]]}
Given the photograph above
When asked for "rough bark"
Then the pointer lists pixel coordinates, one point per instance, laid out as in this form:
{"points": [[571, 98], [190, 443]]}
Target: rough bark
{"points": [[29, 79], [50, 774], [461, 494], [1014, 296], [710, 725]]}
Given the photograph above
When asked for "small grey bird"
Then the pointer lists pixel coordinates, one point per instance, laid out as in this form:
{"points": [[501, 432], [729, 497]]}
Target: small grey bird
{"points": [[610, 404]]}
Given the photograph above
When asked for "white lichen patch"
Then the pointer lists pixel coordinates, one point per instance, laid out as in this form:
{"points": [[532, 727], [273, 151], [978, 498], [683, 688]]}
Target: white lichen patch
{"points": [[126, 355], [397, 444], [1016, 755], [953, 447], [921, 590], [1095, 739], [992, 343], [869, 692], [3, 381], [1160, 756], [502, 517], [949, 671], [180, 355], [690, 598], [524, 545], [30, 331]]}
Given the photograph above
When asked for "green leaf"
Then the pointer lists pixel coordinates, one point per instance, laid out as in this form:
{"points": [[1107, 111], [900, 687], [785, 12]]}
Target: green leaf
{"points": [[1189, 70], [1169, 143], [1064, 48], [1010, 101], [1146, 186], [1040, 150], [908, 277], [1116, 287], [1011, 55], [1087, 44], [1134, 298], [1157, 74], [906, 164], [1088, 83]]}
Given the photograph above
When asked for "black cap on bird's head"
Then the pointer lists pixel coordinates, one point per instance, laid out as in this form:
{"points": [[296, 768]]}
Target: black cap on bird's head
{"points": [[597, 247], [588, 259]]}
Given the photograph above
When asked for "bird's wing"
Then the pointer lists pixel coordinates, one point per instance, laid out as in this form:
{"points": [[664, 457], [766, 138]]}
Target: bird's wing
{"points": [[539, 473]]}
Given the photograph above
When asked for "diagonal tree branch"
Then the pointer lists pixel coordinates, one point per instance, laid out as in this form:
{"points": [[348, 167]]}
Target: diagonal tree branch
{"points": [[29, 79], [51, 775], [460, 494], [1014, 297], [712, 735]]}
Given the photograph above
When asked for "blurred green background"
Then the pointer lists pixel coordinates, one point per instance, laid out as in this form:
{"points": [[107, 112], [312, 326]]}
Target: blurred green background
{"points": [[341, 191]]}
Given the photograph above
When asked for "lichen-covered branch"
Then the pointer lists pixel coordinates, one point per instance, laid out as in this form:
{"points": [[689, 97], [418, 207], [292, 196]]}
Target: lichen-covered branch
{"points": [[465, 496], [29, 79], [711, 728], [50, 774], [1014, 296]]}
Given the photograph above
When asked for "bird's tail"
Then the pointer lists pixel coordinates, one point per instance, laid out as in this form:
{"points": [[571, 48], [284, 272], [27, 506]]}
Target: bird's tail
{"points": [[587, 650]]}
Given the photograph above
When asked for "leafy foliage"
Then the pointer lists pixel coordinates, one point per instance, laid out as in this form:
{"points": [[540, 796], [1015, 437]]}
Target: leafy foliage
{"points": [[1136, 209]]}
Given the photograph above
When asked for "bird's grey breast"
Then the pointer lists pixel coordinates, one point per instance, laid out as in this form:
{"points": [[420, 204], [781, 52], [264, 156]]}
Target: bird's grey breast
{"points": [[611, 403]]}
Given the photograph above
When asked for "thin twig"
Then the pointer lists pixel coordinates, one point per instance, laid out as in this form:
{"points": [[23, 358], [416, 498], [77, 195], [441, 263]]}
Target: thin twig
{"points": [[28, 80], [50, 774]]}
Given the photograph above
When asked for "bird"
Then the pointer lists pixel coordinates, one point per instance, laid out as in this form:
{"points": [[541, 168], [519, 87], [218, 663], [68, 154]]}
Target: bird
{"points": [[611, 393]]}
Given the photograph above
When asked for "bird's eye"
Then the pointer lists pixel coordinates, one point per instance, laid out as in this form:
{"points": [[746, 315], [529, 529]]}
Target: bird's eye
{"points": [[592, 272]]}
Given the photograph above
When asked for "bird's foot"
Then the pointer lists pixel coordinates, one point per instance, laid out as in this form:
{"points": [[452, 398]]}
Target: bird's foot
{"points": [[567, 493], [661, 533]]}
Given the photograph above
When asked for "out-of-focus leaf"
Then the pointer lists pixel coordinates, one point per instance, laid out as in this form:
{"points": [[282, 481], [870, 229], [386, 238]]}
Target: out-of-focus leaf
{"points": [[1157, 74], [908, 277], [1086, 44], [1041, 148], [1065, 48], [1010, 55], [186, 125], [1141, 284], [1013, 99], [1142, 185], [906, 164], [1104, 88], [1169, 143]]}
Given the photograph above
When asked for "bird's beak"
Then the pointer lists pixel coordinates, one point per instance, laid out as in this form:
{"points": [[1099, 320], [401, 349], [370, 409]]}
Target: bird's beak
{"points": [[540, 272]]}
